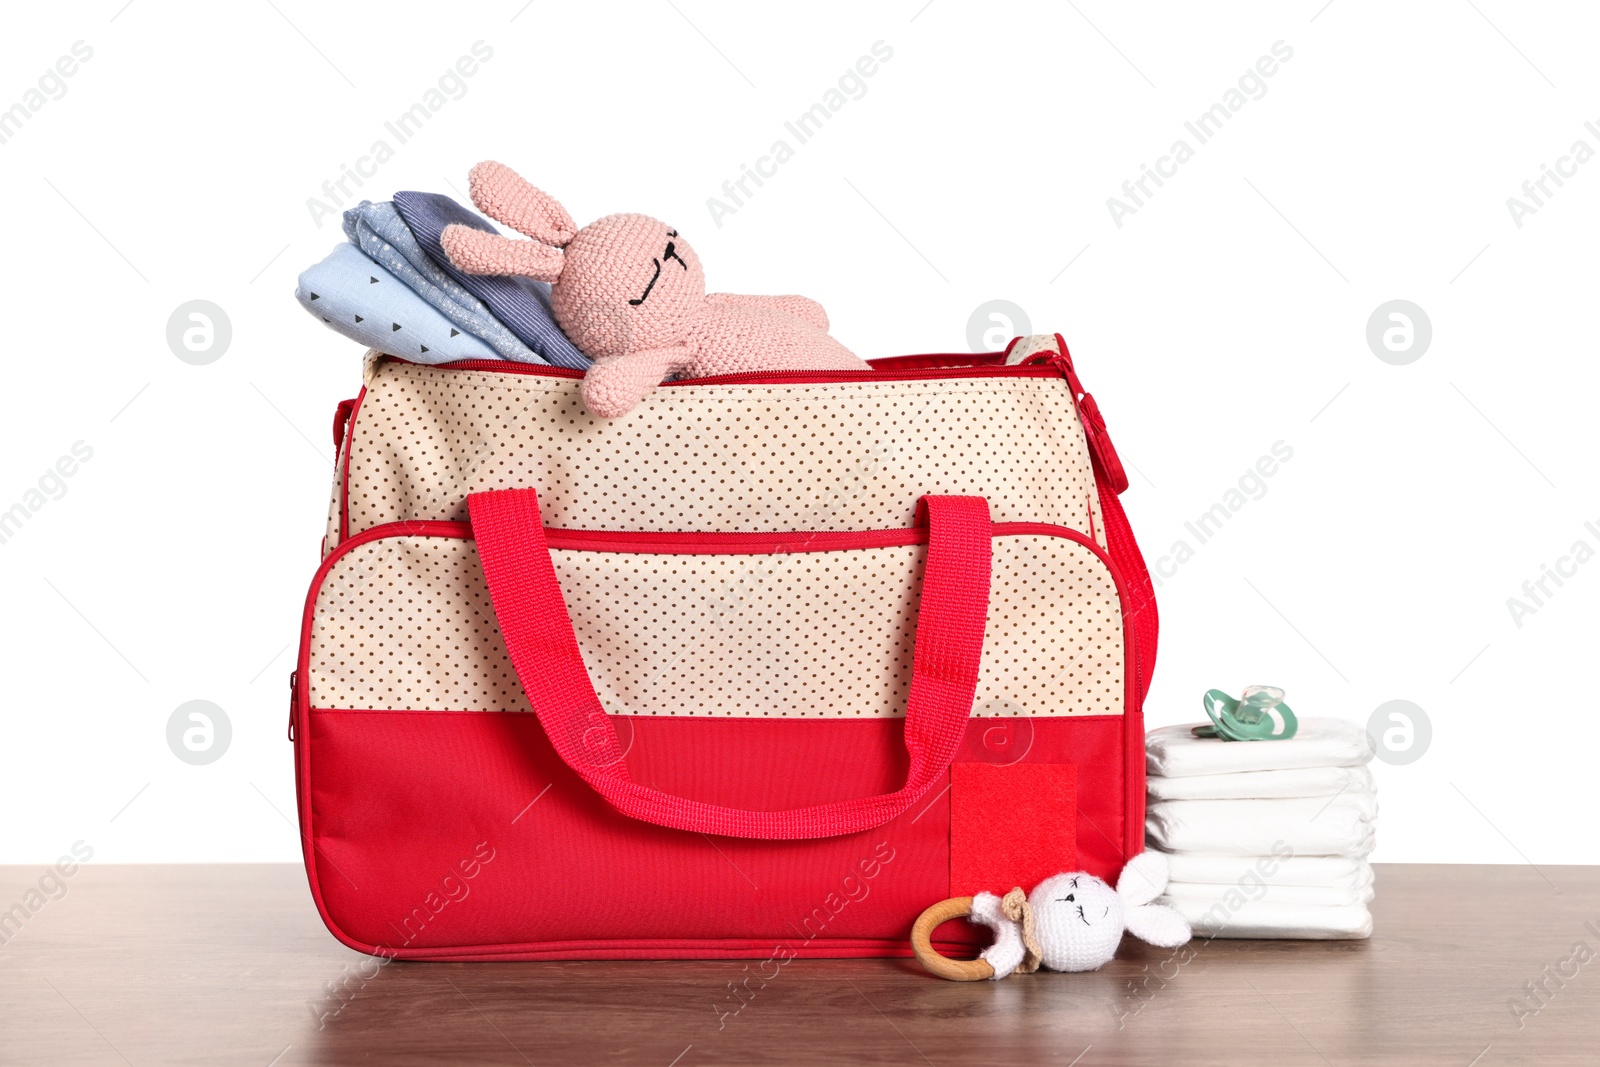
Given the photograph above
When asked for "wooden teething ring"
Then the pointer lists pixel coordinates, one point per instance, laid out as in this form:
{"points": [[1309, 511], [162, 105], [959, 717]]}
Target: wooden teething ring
{"points": [[943, 966]]}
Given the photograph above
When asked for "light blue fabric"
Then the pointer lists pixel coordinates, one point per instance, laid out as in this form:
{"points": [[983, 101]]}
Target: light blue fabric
{"points": [[353, 294], [380, 232]]}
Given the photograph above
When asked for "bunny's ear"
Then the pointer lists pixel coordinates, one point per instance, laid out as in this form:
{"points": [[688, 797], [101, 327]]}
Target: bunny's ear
{"points": [[476, 252], [1158, 925], [504, 196], [1143, 879]]}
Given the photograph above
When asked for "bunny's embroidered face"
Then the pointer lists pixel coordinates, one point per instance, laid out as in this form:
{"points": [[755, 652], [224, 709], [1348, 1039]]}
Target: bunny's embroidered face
{"points": [[624, 283], [1084, 919], [629, 282]]}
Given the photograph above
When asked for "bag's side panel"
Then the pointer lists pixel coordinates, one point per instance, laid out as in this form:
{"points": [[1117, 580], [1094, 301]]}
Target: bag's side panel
{"points": [[831, 456], [1142, 624]]}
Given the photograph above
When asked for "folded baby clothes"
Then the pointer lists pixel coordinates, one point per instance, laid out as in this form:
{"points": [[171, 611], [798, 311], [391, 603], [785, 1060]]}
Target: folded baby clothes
{"points": [[1238, 917], [1344, 872], [380, 232], [1324, 895], [523, 304], [1174, 751], [1310, 826], [1245, 785], [354, 295]]}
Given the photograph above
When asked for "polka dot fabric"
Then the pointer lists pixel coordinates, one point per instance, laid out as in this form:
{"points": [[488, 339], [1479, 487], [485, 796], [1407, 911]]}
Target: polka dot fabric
{"points": [[330, 537], [852, 455], [405, 623]]}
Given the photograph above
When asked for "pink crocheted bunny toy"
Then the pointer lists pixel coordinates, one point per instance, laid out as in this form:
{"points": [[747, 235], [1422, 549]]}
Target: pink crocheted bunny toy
{"points": [[629, 292]]}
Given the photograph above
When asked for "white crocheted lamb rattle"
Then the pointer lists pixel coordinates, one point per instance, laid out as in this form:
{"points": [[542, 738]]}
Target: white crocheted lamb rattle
{"points": [[1070, 922]]}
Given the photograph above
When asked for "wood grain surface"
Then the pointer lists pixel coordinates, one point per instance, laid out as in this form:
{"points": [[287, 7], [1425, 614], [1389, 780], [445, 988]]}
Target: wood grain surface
{"points": [[230, 965]]}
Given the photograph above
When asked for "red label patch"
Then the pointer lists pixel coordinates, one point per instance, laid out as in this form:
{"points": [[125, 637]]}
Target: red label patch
{"points": [[1011, 825]]}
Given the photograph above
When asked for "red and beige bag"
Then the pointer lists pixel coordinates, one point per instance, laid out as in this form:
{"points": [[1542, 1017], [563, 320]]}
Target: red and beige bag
{"points": [[761, 669]]}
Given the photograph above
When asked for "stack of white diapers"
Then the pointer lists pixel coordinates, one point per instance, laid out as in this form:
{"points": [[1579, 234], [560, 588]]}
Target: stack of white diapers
{"points": [[1266, 838]]}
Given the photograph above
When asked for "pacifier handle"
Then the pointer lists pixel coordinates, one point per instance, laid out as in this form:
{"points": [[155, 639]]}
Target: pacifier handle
{"points": [[977, 970], [1230, 724]]}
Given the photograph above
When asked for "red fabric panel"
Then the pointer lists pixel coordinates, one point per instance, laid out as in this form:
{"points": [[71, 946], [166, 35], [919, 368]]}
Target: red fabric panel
{"points": [[1140, 618], [394, 803], [538, 633], [1142, 625], [1011, 825]]}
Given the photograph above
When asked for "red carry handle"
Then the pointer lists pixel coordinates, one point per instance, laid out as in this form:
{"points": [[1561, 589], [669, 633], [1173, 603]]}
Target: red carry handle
{"points": [[533, 618]]}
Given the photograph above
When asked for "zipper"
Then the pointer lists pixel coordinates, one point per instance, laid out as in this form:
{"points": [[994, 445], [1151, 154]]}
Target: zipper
{"points": [[711, 542], [1040, 370]]}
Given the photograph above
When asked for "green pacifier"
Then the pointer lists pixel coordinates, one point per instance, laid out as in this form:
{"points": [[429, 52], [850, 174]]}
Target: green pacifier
{"points": [[1261, 715]]}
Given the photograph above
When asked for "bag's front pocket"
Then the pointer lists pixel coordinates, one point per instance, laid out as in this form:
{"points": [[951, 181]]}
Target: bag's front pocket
{"points": [[818, 625]]}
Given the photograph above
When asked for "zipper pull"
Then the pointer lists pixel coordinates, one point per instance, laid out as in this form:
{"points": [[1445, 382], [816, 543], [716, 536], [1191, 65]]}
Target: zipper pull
{"points": [[1107, 462], [1105, 453], [294, 698]]}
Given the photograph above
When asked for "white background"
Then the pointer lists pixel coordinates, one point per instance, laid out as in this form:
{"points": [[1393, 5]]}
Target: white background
{"points": [[1227, 314]]}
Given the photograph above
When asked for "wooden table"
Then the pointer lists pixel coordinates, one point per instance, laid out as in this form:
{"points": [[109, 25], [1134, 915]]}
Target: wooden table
{"points": [[230, 965]]}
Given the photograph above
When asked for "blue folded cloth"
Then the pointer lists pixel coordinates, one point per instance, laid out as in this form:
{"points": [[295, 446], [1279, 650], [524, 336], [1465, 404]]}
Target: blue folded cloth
{"points": [[523, 304], [378, 231], [353, 294]]}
